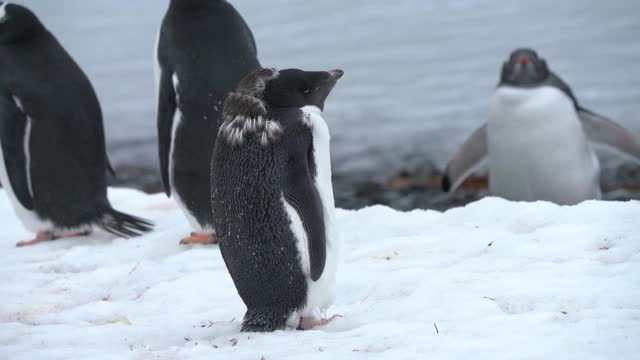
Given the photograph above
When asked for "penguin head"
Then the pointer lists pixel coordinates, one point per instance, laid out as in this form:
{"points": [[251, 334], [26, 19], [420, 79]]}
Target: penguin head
{"points": [[298, 88], [17, 23], [524, 68]]}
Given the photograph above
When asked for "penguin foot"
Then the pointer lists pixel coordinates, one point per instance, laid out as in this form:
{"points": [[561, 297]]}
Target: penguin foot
{"points": [[43, 236], [308, 323], [199, 238]]}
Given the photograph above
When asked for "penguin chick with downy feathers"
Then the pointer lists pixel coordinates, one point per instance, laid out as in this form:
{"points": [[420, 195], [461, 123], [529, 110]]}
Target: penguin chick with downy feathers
{"points": [[273, 198]]}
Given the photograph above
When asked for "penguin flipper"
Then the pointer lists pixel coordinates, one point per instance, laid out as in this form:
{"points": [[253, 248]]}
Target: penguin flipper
{"points": [[301, 193], [167, 107], [110, 169], [601, 130], [466, 160], [13, 129]]}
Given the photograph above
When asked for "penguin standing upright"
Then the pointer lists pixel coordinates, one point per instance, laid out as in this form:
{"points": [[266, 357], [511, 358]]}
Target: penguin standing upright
{"points": [[204, 49], [53, 161], [537, 139], [273, 198]]}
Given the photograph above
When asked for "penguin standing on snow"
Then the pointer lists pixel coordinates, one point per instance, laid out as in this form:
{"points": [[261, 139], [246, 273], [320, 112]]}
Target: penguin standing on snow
{"points": [[53, 161], [204, 49], [273, 198], [537, 139]]}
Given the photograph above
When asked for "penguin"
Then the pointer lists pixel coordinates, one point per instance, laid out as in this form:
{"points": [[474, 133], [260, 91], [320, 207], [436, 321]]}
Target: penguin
{"points": [[204, 48], [538, 139], [273, 200], [53, 162]]}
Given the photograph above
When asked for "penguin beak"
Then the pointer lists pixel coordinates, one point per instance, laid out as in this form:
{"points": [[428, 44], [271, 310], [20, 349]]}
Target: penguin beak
{"points": [[523, 60], [336, 74], [326, 84]]}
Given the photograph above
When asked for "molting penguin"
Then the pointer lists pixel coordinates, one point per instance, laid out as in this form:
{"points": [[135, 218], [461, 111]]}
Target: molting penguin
{"points": [[537, 138], [53, 161], [273, 198], [204, 49]]}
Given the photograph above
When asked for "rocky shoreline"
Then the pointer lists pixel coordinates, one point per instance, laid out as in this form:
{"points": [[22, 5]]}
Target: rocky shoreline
{"points": [[405, 190]]}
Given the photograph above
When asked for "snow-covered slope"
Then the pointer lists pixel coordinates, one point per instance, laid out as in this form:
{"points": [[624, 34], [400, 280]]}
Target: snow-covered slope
{"points": [[494, 280]]}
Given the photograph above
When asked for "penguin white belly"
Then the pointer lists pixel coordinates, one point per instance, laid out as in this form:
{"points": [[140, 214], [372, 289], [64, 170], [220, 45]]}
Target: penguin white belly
{"points": [[538, 149], [29, 218], [320, 293], [175, 194]]}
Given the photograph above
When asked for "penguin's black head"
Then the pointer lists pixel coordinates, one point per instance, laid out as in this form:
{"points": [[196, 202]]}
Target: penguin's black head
{"points": [[524, 68], [17, 23], [297, 88]]}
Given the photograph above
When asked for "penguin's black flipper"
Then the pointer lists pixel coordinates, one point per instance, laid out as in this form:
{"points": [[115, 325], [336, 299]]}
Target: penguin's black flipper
{"points": [[167, 107], [110, 169], [13, 129], [301, 193]]}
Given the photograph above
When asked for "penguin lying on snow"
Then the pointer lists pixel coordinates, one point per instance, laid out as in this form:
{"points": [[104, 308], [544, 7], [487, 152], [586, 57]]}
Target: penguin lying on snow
{"points": [[53, 161], [273, 198], [204, 49], [537, 139]]}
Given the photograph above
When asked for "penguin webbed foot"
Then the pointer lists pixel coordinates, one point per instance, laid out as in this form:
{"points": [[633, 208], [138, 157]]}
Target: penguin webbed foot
{"points": [[199, 238], [43, 236], [310, 322]]}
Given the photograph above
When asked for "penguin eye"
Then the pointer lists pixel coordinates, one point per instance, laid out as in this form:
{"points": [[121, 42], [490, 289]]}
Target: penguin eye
{"points": [[307, 92]]}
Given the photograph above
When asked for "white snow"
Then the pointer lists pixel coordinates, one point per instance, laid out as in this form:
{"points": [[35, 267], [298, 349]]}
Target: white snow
{"points": [[500, 280]]}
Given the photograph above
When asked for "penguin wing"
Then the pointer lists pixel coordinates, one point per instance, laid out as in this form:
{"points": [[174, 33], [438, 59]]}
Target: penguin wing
{"points": [[167, 107], [603, 131], [301, 193], [110, 169], [466, 160], [13, 132]]}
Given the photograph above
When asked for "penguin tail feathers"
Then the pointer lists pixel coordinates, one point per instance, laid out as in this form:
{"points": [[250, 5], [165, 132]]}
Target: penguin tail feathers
{"points": [[261, 320], [124, 225]]}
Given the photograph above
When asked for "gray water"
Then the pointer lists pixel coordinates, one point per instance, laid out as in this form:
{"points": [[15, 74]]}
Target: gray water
{"points": [[419, 73]]}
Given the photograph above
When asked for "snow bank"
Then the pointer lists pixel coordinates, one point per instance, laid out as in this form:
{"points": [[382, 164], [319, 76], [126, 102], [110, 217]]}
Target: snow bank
{"points": [[493, 280]]}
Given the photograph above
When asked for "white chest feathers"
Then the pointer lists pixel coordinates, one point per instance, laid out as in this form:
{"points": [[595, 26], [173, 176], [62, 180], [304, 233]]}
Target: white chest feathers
{"points": [[538, 149], [322, 156], [320, 293]]}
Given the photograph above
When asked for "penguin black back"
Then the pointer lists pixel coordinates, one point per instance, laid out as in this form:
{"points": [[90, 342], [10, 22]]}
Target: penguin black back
{"points": [[205, 48], [252, 175], [51, 110]]}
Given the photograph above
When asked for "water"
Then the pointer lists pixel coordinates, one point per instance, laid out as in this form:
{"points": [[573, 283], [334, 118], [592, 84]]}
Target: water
{"points": [[418, 79]]}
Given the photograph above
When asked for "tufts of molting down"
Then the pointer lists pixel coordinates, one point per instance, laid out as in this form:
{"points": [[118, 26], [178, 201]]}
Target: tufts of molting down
{"points": [[245, 113]]}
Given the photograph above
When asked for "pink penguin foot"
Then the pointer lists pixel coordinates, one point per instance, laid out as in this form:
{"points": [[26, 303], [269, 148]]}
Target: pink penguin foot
{"points": [[308, 323], [199, 238], [43, 236]]}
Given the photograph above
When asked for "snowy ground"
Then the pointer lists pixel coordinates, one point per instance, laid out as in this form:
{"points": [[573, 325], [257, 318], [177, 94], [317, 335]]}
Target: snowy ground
{"points": [[499, 280]]}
